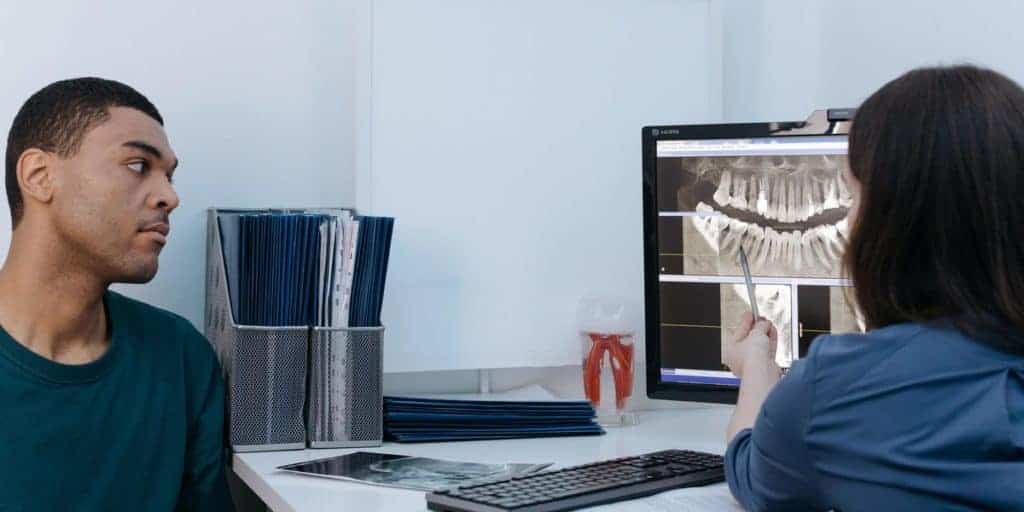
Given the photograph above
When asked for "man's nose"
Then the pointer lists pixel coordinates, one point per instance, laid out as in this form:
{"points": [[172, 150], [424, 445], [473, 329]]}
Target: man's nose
{"points": [[164, 197]]}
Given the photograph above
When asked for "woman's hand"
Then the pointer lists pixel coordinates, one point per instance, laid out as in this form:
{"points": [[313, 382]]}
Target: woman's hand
{"points": [[751, 356], [755, 343]]}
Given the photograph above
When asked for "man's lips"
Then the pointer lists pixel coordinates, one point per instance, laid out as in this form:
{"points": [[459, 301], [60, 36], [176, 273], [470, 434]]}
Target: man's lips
{"points": [[161, 229]]}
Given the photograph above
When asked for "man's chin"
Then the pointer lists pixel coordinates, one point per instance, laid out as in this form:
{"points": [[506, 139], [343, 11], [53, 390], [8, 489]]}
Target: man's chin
{"points": [[140, 275]]}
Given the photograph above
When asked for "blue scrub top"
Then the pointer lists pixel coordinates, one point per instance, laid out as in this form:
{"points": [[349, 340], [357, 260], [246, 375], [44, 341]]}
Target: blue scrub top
{"points": [[908, 417]]}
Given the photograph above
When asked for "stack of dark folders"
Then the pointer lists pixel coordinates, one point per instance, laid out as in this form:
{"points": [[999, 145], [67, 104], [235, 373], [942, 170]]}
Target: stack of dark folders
{"points": [[278, 268], [420, 420], [321, 267]]}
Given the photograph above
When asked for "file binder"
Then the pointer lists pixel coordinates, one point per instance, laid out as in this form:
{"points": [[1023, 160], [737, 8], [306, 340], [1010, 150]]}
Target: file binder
{"points": [[418, 420], [288, 385]]}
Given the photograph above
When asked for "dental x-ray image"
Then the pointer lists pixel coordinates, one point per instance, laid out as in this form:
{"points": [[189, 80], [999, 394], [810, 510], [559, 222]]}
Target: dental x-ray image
{"points": [[774, 303], [843, 316], [825, 310], [697, 319], [787, 212], [408, 472]]}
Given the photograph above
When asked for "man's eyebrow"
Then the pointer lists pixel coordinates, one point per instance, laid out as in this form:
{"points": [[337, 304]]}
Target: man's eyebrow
{"points": [[149, 148]]}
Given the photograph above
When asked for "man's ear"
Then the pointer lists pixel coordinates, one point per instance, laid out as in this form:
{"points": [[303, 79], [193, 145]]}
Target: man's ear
{"points": [[35, 175]]}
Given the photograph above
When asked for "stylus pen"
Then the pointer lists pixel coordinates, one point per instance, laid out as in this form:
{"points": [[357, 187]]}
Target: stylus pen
{"points": [[750, 284]]}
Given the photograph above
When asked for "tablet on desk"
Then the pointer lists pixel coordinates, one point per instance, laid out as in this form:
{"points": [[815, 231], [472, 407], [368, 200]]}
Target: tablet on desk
{"points": [[407, 472]]}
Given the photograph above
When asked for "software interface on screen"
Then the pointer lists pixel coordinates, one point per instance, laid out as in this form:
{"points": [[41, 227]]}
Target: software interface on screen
{"points": [[784, 201]]}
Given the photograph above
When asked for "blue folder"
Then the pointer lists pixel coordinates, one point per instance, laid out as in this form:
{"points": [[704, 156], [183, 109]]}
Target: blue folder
{"points": [[413, 420], [373, 250], [278, 260], [272, 263]]}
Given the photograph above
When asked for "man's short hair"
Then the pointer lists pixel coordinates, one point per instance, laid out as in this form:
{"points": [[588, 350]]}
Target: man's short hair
{"points": [[56, 119]]}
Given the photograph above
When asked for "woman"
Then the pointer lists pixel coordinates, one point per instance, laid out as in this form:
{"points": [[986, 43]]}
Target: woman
{"points": [[925, 411]]}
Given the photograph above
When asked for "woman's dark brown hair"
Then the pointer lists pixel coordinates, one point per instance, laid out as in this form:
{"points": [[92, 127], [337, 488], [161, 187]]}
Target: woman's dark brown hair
{"points": [[939, 232]]}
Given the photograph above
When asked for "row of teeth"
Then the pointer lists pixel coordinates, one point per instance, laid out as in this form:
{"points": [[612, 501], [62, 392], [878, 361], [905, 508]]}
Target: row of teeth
{"points": [[785, 198], [819, 246], [818, 165]]}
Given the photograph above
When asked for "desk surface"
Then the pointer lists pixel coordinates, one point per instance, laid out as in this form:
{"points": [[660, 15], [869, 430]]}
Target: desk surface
{"points": [[697, 427]]}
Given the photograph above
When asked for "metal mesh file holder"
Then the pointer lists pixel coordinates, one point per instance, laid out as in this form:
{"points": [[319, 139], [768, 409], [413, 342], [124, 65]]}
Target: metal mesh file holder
{"points": [[287, 385], [345, 387], [264, 367]]}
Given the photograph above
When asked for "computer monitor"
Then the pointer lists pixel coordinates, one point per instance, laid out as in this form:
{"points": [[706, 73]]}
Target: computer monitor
{"points": [[775, 189]]}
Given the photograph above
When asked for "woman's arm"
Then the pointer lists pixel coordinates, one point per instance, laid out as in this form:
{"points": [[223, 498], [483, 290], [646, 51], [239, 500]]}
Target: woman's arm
{"points": [[751, 356], [758, 381], [767, 464]]}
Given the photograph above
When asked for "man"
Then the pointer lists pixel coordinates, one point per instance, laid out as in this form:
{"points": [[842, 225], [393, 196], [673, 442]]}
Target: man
{"points": [[108, 404]]}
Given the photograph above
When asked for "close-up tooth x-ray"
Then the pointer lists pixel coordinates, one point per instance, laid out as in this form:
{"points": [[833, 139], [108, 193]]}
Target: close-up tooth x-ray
{"points": [[787, 210]]}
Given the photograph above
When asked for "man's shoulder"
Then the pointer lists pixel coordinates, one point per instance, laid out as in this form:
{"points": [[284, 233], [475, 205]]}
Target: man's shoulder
{"points": [[159, 324], [146, 313]]}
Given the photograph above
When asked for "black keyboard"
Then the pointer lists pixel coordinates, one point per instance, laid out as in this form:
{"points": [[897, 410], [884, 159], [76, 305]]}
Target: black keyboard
{"points": [[587, 485]]}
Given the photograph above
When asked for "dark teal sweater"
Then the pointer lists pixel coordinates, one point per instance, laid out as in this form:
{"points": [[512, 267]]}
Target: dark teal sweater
{"points": [[140, 428]]}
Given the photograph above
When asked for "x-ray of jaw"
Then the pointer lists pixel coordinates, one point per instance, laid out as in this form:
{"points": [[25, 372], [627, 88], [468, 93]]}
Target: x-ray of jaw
{"points": [[773, 302], [789, 214]]}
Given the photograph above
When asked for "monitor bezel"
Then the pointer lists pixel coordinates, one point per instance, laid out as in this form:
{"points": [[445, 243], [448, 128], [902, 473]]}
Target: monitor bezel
{"points": [[650, 135]]}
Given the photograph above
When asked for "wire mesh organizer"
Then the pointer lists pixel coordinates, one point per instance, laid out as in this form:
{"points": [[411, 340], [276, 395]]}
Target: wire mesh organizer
{"points": [[287, 386], [345, 387]]}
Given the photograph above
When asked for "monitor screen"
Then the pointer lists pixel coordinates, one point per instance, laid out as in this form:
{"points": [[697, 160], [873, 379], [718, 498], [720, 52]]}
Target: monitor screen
{"points": [[784, 201]]}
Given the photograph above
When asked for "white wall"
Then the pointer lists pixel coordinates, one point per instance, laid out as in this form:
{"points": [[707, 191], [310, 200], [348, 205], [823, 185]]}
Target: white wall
{"points": [[258, 99], [783, 58], [506, 140]]}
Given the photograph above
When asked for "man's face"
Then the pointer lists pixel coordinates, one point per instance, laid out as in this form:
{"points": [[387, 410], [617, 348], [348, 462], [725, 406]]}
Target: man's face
{"points": [[112, 199]]}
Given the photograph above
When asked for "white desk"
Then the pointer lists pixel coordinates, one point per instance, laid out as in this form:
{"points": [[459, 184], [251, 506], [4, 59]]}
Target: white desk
{"points": [[698, 427]]}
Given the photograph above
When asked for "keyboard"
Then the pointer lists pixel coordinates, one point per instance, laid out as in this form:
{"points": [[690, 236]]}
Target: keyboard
{"points": [[585, 486]]}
